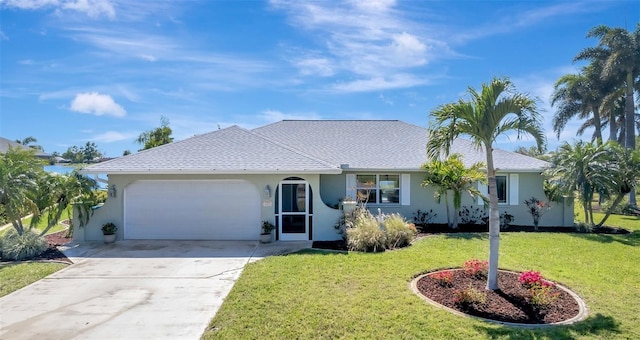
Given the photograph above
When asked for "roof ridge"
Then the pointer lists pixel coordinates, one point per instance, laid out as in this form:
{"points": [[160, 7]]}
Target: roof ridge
{"points": [[292, 149]]}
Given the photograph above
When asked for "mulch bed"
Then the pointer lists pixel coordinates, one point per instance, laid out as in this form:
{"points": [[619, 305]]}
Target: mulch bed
{"points": [[52, 253], [507, 304]]}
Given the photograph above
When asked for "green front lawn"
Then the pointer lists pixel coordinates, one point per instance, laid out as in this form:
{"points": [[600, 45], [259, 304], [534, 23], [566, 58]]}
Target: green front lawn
{"points": [[316, 294], [43, 223], [14, 276]]}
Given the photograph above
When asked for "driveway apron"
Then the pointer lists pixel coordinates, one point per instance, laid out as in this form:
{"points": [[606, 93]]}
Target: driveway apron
{"points": [[128, 290]]}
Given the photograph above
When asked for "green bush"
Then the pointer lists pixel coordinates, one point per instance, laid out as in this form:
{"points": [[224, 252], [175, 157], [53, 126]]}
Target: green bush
{"points": [[400, 233], [365, 235], [20, 247]]}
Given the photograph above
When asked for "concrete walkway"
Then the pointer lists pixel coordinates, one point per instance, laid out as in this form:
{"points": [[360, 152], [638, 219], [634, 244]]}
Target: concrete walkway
{"points": [[133, 290]]}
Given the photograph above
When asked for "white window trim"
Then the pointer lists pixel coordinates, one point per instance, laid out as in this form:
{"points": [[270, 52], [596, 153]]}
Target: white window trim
{"points": [[512, 183], [403, 187]]}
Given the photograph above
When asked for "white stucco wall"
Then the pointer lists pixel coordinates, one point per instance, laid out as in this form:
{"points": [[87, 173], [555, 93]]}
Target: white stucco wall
{"points": [[324, 217]]}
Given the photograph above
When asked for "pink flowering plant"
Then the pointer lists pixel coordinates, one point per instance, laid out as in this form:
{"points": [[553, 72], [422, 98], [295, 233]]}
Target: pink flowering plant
{"points": [[444, 278], [540, 290], [537, 208], [476, 268], [530, 278]]}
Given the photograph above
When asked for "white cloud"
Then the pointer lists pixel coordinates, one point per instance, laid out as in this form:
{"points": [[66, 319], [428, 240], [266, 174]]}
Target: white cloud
{"points": [[97, 104], [113, 136], [92, 8], [31, 4], [148, 57], [380, 83], [3, 36], [371, 41], [271, 116], [315, 66]]}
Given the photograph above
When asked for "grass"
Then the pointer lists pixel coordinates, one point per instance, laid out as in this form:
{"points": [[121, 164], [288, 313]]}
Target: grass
{"points": [[14, 276], [43, 223], [314, 294]]}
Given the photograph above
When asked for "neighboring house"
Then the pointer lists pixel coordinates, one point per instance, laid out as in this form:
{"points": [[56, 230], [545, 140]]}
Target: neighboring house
{"points": [[222, 184], [5, 144]]}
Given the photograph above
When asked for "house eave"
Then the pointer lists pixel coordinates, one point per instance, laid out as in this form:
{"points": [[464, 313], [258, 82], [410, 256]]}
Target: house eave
{"points": [[209, 171]]}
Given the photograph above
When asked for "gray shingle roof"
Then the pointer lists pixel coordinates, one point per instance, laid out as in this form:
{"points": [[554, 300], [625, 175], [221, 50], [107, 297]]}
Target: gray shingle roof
{"points": [[229, 150], [5, 144], [380, 144], [319, 146]]}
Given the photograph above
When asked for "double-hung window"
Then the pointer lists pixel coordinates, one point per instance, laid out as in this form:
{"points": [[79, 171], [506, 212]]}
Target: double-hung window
{"points": [[378, 189]]}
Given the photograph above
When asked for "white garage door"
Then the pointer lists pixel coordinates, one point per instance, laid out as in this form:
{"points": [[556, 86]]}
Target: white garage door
{"points": [[192, 210]]}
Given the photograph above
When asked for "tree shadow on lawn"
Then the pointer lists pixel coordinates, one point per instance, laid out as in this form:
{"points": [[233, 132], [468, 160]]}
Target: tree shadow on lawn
{"points": [[631, 239], [467, 236], [598, 325]]}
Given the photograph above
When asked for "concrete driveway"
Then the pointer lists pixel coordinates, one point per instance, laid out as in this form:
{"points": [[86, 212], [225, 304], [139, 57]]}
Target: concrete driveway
{"points": [[132, 290]]}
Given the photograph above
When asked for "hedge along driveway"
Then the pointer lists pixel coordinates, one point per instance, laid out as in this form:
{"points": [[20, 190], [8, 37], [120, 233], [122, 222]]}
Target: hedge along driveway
{"points": [[315, 294]]}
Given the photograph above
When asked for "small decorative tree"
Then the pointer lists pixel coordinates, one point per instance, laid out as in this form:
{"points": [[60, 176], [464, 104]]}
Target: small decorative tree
{"points": [[536, 208]]}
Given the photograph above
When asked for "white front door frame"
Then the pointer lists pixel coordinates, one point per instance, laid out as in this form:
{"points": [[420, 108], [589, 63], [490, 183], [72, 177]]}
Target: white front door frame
{"points": [[293, 236]]}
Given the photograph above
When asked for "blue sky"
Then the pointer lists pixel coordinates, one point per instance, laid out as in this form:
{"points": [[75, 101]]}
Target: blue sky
{"points": [[74, 71]]}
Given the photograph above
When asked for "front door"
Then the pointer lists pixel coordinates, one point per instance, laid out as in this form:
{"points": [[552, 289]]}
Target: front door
{"points": [[294, 210]]}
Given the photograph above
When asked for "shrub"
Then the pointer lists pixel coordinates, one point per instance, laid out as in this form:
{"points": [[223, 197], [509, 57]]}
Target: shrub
{"points": [[366, 234], [20, 247], [536, 209], [469, 297], [541, 295], [444, 278], [473, 215], [582, 227], [539, 288], [400, 233], [505, 220], [423, 218], [476, 268]]}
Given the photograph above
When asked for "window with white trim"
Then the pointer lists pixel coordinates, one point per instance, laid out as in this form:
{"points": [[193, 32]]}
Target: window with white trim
{"points": [[378, 188], [501, 184]]}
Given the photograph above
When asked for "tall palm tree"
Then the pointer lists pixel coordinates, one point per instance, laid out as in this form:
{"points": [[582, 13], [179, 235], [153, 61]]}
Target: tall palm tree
{"points": [[581, 95], [452, 175], [495, 110], [622, 51]]}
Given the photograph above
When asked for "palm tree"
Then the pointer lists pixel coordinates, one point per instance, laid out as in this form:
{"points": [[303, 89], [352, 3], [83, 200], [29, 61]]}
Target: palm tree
{"points": [[55, 192], [620, 50], [625, 175], [494, 111], [452, 175], [19, 171], [27, 141], [583, 168], [581, 95]]}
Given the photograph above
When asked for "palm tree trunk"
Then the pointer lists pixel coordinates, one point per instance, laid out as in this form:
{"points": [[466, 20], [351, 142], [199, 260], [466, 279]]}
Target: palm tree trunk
{"points": [[456, 212], [494, 222], [446, 201], [610, 210], [613, 126], [629, 113], [597, 124]]}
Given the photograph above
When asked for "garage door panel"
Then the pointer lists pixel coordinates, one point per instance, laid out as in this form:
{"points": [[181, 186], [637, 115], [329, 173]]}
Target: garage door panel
{"points": [[203, 209]]}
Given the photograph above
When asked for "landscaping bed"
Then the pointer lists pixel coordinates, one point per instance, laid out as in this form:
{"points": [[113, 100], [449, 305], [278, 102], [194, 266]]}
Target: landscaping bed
{"points": [[509, 303], [52, 253]]}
